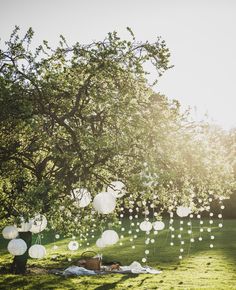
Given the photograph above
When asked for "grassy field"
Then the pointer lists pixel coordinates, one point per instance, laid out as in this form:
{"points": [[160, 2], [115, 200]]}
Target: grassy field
{"points": [[202, 267]]}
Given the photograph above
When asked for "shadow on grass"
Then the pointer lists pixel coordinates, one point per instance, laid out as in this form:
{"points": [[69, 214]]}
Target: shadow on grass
{"points": [[114, 284], [40, 282]]}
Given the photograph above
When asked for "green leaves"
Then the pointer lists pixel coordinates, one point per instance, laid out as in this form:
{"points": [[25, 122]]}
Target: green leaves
{"points": [[85, 115]]}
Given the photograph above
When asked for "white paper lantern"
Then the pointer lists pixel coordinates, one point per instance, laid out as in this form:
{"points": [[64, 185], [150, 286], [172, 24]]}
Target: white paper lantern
{"points": [[104, 202], [73, 246], [37, 251], [110, 237], [100, 243], [145, 226], [25, 226], [136, 267], [10, 232], [117, 188], [39, 223], [82, 196], [17, 247], [183, 211], [158, 225]]}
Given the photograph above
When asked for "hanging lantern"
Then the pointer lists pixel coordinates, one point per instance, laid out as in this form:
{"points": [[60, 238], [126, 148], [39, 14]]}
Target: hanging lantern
{"points": [[100, 243], [116, 188], [183, 211], [10, 232], [158, 225], [145, 226], [82, 196], [25, 226], [39, 223], [17, 247], [110, 237], [37, 251], [73, 246], [104, 202]]}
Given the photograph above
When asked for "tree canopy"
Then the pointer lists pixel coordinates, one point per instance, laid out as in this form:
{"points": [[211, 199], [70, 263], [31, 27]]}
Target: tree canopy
{"points": [[82, 116]]}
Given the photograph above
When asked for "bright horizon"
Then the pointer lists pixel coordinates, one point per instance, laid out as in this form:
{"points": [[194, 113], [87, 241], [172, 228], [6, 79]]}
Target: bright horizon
{"points": [[200, 35]]}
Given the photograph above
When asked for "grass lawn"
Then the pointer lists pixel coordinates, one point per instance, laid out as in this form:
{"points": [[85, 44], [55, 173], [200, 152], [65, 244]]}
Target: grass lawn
{"points": [[202, 267]]}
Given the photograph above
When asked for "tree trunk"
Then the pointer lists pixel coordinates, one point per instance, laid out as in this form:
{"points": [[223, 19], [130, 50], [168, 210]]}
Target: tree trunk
{"points": [[18, 265]]}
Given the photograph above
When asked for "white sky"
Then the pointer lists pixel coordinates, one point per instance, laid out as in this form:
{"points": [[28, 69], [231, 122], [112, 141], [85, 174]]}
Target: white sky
{"points": [[201, 35]]}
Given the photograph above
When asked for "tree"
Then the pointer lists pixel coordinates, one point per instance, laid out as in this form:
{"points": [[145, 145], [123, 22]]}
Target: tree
{"points": [[228, 141], [69, 119], [82, 116], [186, 163]]}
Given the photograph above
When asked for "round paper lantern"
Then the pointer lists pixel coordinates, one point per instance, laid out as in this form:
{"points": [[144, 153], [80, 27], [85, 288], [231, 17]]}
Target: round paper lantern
{"points": [[25, 226], [10, 232], [135, 267], [82, 196], [100, 243], [116, 188], [37, 251], [110, 237], [73, 246], [158, 225], [145, 226], [104, 202], [183, 211], [39, 223], [17, 247]]}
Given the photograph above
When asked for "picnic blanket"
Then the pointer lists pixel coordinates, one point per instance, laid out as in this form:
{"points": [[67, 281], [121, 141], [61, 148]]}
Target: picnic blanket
{"points": [[134, 267]]}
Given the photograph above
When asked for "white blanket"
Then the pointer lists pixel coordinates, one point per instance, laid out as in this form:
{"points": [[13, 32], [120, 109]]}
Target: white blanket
{"points": [[135, 268], [75, 270]]}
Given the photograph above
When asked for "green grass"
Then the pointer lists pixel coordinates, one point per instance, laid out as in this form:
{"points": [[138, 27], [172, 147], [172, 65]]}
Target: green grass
{"points": [[200, 268]]}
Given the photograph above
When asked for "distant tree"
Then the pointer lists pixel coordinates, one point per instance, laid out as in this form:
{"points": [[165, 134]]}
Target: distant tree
{"points": [[228, 140], [186, 163]]}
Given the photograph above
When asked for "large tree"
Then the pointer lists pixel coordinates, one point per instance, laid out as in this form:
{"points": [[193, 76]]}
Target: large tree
{"points": [[85, 115], [69, 119]]}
